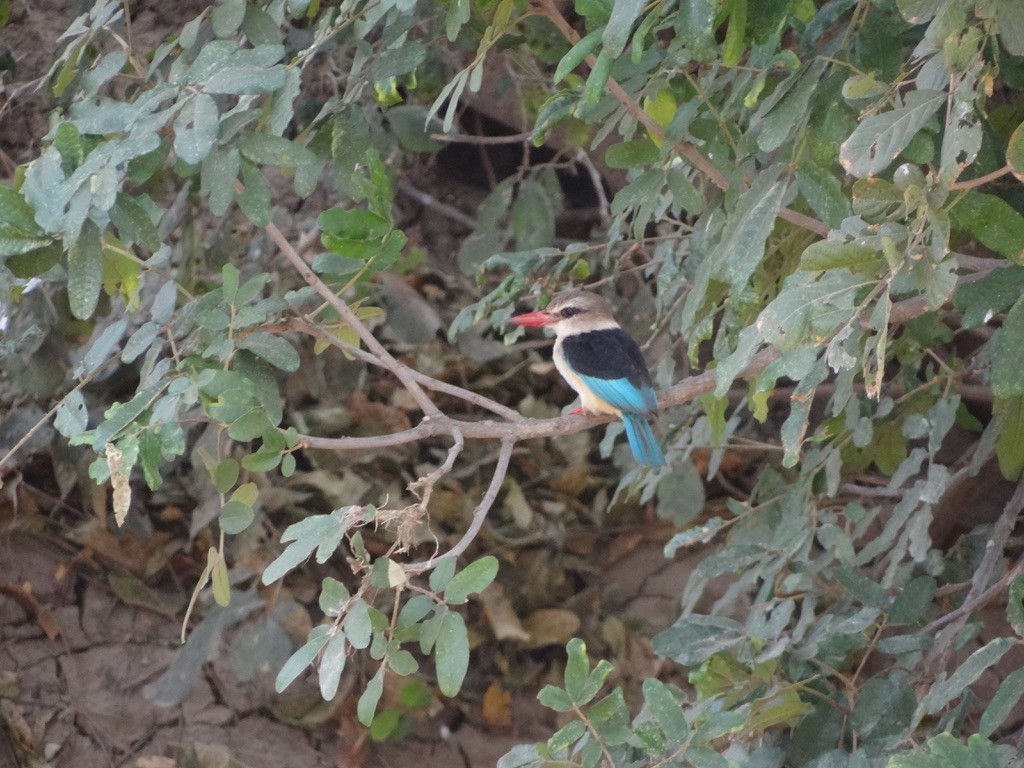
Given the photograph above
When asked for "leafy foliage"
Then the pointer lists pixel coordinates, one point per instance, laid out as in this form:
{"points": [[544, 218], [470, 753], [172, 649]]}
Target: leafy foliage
{"points": [[805, 189]]}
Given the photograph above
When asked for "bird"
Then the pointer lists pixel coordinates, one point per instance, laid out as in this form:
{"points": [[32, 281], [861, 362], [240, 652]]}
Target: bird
{"points": [[602, 364]]}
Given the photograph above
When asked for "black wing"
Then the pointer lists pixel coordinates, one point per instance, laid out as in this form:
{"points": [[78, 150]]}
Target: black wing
{"points": [[607, 354]]}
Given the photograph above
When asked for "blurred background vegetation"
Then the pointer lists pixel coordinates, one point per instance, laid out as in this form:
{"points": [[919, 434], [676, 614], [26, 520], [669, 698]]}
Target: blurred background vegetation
{"points": [[256, 262]]}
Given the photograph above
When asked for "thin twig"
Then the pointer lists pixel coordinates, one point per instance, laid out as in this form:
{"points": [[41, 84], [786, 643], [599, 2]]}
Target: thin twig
{"points": [[401, 372], [981, 180], [524, 428], [462, 138], [304, 325], [981, 593], [424, 486], [430, 201], [479, 514]]}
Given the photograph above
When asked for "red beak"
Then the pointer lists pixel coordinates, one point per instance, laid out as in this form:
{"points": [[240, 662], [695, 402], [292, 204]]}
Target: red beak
{"points": [[534, 319]]}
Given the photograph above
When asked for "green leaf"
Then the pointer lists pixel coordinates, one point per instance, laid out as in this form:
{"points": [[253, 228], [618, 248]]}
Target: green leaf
{"points": [[1015, 152], [791, 98], [247, 493], [577, 671], [575, 56], [85, 271], [1007, 353], [766, 18], [133, 223], [919, 11], [403, 663], [68, 141], [250, 425], [235, 517], [320, 532], [620, 25], [1015, 605], [991, 221], [823, 193], [15, 212], [567, 735], [412, 127], [666, 709], [555, 699], [225, 474], [274, 349], [942, 692], [735, 42], [332, 664], [217, 178], [120, 415], [357, 624], [1010, 19], [226, 19], [828, 254], [442, 574], [473, 578], [303, 657], [288, 464], [219, 580], [151, 444], [879, 139], [246, 79], [1010, 443], [370, 697], [694, 639], [595, 87], [1003, 702], [353, 224], [632, 154], [610, 719], [72, 415], [264, 149], [255, 198], [195, 128], [913, 601], [333, 595], [695, 26], [700, 534], [451, 653], [992, 295]]}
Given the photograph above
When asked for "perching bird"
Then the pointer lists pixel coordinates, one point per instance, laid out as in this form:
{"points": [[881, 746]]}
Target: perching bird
{"points": [[603, 364]]}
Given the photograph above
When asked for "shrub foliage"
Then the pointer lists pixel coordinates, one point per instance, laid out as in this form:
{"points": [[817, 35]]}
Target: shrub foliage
{"points": [[816, 201]]}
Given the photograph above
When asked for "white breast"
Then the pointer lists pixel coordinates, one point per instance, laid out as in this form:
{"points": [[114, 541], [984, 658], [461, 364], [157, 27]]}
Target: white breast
{"points": [[591, 402]]}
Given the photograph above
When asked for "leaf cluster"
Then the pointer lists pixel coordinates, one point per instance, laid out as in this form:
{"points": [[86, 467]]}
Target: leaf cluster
{"points": [[815, 201]]}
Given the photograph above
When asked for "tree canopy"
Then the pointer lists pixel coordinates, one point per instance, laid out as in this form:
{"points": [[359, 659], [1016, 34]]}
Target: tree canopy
{"points": [[808, 212]]}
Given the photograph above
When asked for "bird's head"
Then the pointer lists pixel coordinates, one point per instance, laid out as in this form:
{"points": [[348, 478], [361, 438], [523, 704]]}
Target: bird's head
{"points": [[572, 311]]}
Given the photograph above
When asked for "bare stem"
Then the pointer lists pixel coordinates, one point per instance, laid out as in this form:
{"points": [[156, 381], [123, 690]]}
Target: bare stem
{"points": [[479, 514]]}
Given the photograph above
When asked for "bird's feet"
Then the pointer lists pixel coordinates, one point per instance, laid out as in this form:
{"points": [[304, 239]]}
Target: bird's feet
{"points": [[578, 411]]}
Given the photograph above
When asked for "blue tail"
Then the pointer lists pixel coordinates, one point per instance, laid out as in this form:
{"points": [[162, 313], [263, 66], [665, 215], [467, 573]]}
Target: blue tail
{"points": [[642, 440]]}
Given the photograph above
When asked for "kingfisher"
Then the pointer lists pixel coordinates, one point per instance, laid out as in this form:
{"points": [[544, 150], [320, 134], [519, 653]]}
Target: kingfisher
{"points": [[603, 364]]}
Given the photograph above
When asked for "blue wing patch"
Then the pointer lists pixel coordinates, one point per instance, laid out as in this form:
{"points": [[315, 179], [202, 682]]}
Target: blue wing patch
{"points": [[623, 394]]}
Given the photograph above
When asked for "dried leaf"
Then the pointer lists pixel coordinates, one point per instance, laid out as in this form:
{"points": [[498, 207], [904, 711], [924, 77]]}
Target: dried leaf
{"points": [[501, 615], [496, 706], [551, 626]]}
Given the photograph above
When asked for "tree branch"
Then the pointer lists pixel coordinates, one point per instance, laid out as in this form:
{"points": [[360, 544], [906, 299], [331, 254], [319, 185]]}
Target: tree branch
{"points": [[981, 593], [401, 372], [479, 514], [305, 325], [687, 149]]}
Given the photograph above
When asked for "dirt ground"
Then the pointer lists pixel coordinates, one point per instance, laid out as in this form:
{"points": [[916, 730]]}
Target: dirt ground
{"points": [[75, 661]]}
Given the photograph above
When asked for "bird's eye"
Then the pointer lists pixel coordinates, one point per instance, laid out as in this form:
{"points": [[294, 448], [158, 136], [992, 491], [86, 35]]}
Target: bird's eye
{"points": [[570, 312]]}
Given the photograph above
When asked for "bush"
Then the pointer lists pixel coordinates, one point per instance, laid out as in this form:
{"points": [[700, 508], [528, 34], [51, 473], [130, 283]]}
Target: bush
{"points": [[816, 199]]}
